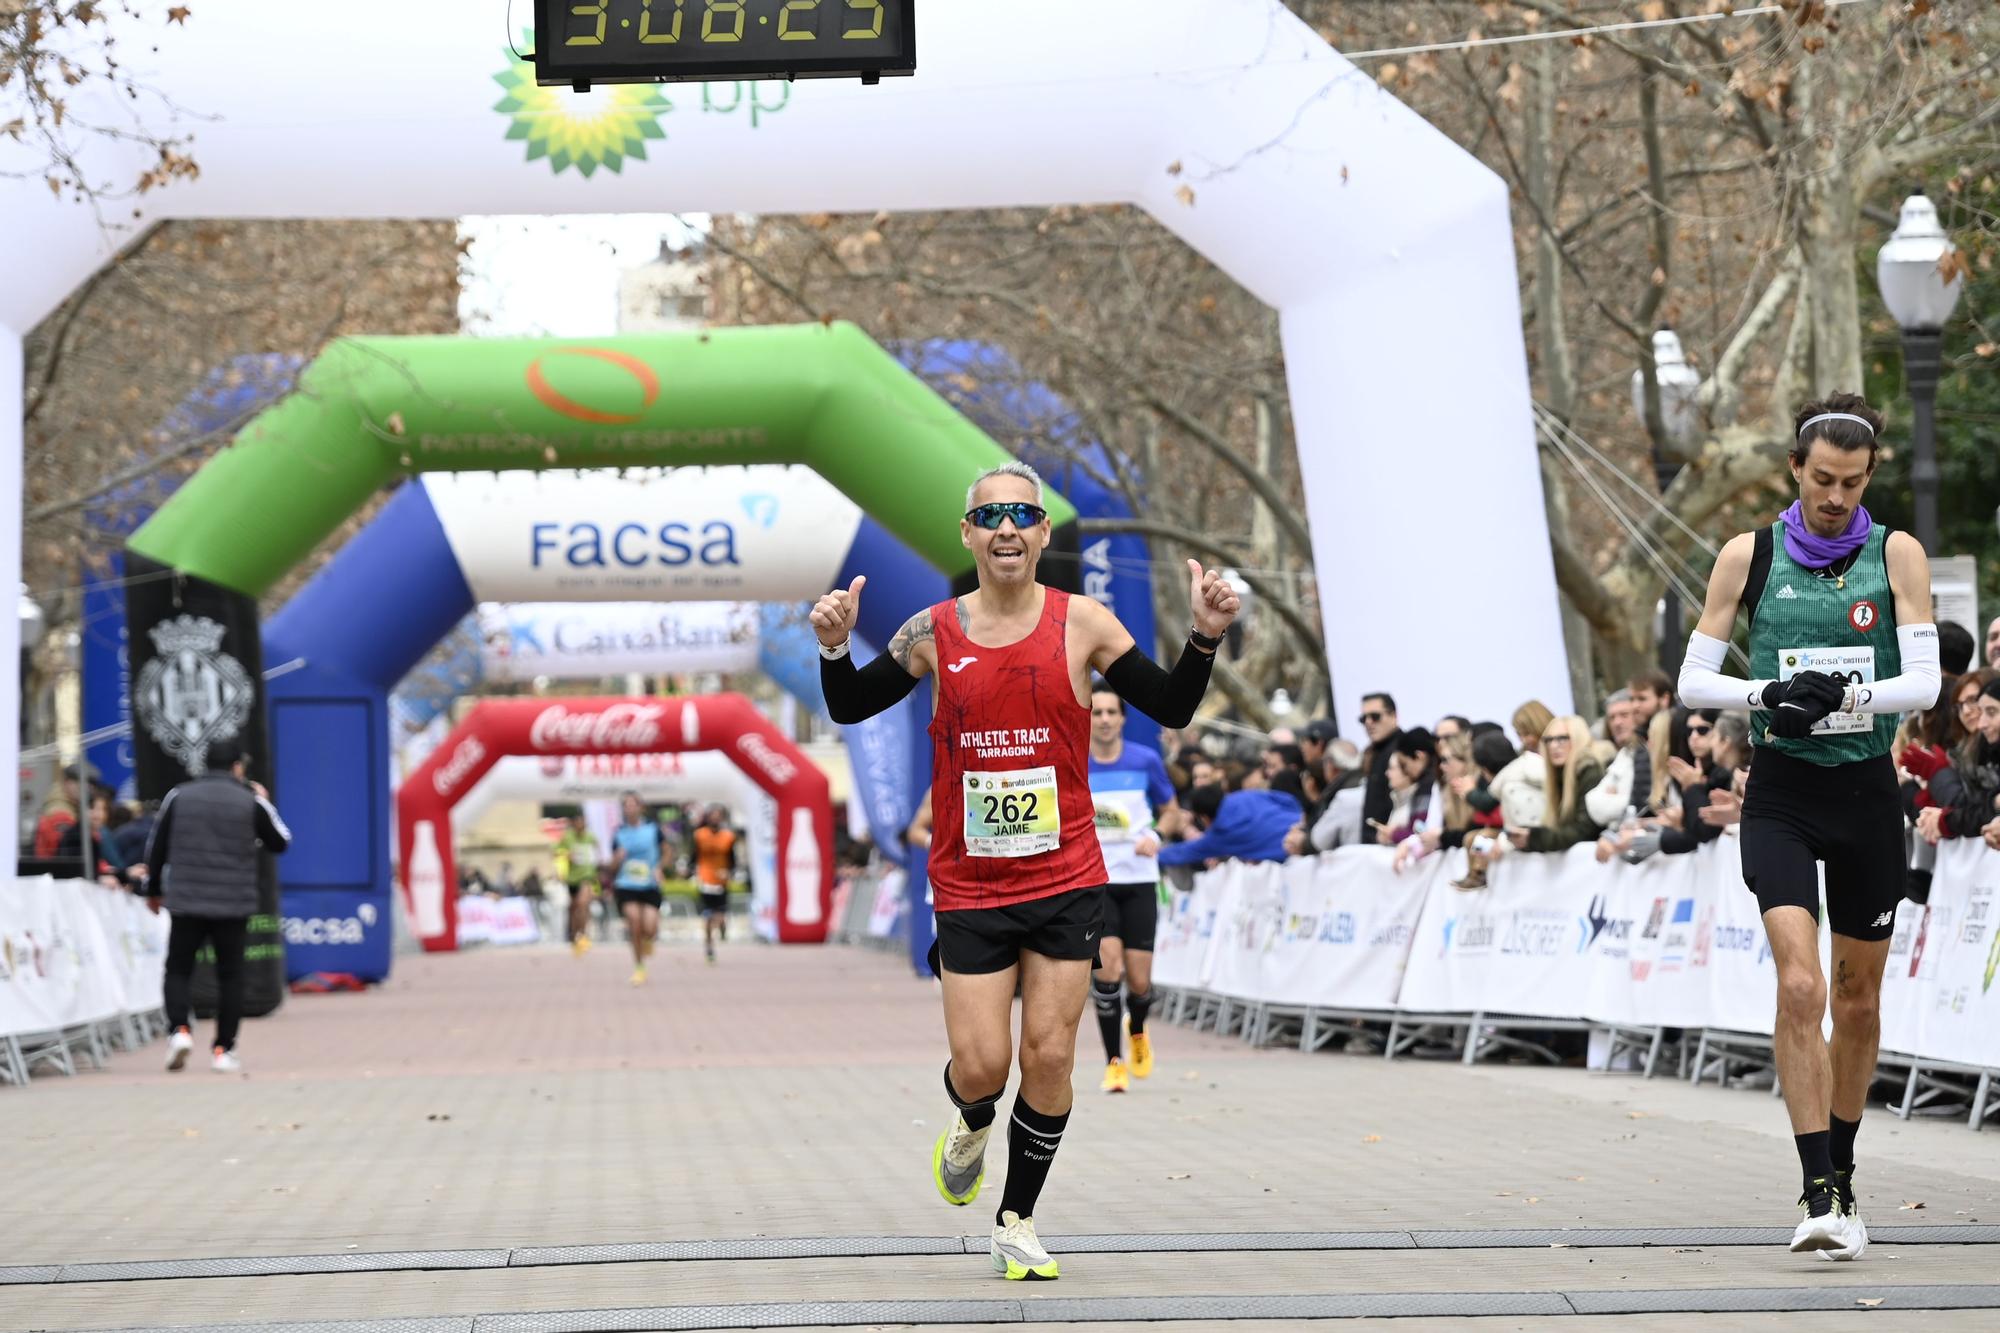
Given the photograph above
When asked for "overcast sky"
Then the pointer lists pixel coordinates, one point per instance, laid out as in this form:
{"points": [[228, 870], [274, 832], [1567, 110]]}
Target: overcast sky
{"points": [[557, 276]]}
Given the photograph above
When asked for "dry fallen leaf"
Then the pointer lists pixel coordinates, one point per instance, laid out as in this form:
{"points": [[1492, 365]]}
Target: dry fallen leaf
{"points": [[1174, 169], [1181, 1176], [1371, 1138], [1911, 1203], [1870, 1301], [1559, 1245], [1534, 1198], [1636, 1115], [1186, 195]]}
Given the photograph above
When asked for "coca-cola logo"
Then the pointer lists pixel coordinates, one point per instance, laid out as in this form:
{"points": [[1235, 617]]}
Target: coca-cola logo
{"points": [[619, 727], [776, 767], [463, 760]]}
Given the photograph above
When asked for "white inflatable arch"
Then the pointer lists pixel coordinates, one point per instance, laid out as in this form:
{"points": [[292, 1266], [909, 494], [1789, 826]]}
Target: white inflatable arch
{"points": [[1386, 249], [700, 776]]}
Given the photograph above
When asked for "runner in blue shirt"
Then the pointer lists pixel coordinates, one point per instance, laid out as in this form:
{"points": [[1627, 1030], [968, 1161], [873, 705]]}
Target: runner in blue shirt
{"points": [[1131, 791], [635, 881]]}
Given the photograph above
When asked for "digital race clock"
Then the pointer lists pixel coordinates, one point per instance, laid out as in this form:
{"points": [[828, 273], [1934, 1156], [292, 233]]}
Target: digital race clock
{"points": [[582, 42]]}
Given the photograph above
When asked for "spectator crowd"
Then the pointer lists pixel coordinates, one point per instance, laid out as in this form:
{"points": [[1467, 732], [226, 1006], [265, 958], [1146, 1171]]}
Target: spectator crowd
{"points": [[1649, 778]]}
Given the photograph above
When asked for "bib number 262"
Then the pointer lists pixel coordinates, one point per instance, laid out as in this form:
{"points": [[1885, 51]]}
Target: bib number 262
{"points": [[1010, 809]]}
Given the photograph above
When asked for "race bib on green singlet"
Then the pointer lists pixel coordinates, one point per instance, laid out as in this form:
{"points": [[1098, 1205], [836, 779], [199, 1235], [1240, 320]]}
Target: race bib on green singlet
{"points": [[1012, 812], [1849, 666]]}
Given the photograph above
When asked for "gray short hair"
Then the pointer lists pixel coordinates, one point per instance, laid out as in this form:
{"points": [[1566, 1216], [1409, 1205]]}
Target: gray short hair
{"points": [[1013, 469]]}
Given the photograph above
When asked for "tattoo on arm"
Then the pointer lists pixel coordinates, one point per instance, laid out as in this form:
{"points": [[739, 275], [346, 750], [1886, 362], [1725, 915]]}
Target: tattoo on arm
{"points": [[916, 630]]}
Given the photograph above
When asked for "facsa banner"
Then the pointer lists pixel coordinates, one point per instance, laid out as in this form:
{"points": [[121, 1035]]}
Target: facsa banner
{"points": [[522, 640], [677, 534], [1938, 993]]}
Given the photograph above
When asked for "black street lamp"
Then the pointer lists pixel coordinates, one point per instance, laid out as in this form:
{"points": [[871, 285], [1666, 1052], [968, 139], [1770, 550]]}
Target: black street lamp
{"points": [[1911, 274]]}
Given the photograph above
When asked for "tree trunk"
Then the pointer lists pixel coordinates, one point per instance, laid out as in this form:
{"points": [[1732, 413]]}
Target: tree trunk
{"points": [[1829, 224]]}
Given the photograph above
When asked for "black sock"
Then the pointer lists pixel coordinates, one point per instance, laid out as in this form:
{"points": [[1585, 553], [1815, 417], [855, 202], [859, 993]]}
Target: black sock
{"points": [[1816, 1155], [1841, 1142], [979, 1114], [1138, 1003], [1108, 997], [1032, 1140]]}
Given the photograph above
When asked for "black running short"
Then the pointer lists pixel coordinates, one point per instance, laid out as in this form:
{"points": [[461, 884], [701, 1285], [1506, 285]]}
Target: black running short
{"points": [[643, 897], [715, 902], [1850, 816], [1132, 915], [991, 939]]}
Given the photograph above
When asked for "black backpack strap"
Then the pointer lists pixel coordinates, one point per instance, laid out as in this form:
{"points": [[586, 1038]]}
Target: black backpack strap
{"points": [[1761, 548]]}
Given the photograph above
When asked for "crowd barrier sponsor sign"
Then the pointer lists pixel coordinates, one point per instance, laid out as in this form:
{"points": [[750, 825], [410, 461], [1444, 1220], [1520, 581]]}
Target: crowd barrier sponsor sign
{"points": [[1676, 941], [73, 952], [483, 920]]}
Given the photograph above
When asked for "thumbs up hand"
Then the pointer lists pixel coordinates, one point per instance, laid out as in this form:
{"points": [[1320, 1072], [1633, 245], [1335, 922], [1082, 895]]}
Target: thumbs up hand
{"points": [[833, 615], [1213, 602]]}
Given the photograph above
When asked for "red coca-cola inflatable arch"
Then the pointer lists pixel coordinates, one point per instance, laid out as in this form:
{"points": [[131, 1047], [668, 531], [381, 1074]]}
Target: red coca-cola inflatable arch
{"points": [[728, 723]]}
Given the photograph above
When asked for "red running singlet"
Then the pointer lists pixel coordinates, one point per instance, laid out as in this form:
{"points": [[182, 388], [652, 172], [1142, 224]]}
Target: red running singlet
{"points": [[1012, 818]]}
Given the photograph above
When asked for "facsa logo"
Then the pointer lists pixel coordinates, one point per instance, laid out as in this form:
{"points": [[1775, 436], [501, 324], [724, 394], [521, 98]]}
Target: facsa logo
{"points": [[331, 930], [589, 545]]}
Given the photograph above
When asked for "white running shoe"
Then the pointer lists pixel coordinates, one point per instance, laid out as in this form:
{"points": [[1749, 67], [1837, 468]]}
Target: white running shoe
{"points": [[1017, 1252], [1824, 1226], [225, 1062], [179, 1047], [1857, 1230], [958, 1162]]}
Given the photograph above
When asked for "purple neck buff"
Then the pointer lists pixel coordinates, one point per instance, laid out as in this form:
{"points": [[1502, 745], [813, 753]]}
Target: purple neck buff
{"points": [[1817, 552]]}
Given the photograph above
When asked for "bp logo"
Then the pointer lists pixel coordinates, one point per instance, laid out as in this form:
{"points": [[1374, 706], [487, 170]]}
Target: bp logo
{"points": [[600, 128], [193, 694]]}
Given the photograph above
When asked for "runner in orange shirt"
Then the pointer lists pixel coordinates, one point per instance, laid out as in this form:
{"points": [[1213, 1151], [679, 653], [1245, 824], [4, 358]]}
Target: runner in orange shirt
{"points": [[714, 860]]}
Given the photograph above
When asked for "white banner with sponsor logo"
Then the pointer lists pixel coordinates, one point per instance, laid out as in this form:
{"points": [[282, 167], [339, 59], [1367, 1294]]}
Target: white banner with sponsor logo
{"points": [[722, 534], [1939, 996], [74, 952], [581, 641], [1676, 941]]}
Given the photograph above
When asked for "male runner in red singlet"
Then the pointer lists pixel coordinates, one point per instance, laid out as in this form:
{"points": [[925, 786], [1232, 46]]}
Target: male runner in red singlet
{"points": [[1014, 861]]}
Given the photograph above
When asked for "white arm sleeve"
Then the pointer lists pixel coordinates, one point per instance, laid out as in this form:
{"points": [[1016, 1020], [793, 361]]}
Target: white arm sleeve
{"points": [[1917, 687], [1703, 685]]}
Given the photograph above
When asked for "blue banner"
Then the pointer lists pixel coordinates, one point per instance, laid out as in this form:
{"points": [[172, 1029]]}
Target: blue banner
{"points": [[107, 670]]}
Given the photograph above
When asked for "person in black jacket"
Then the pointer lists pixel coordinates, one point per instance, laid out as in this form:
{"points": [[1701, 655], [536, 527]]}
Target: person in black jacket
{"points": [[202, 859], [1378, 719]]}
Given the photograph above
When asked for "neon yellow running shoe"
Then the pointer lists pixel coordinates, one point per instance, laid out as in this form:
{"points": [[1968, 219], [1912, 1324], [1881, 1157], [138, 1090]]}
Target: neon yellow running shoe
{"points": [[958, 1162], [1114, 1077], [639, 975], [1018, 1254], [1142, 1055]]}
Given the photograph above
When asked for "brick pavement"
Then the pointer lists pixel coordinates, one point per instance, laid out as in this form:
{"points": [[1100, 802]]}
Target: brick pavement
{"points": [[502, 1099]]}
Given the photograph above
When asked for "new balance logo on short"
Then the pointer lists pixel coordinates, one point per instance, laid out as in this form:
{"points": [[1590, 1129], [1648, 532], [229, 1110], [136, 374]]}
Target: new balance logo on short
{"points": [[1885, 918], [960, 665], [1787, 591]]}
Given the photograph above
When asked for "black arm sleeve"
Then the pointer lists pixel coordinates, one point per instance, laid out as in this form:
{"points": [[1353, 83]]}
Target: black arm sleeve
{"points": [[852, 695], [1169, 698]]}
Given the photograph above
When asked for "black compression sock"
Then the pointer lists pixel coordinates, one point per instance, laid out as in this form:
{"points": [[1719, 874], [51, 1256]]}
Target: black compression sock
{"points": [[1108, 997], [1032, 1140], [979, 1114], [1840, 1142], [1138, 1003], [1815, 1155]]}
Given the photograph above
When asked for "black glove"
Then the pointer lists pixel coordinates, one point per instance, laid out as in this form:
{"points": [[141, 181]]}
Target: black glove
{"points": [[1798, 705]]}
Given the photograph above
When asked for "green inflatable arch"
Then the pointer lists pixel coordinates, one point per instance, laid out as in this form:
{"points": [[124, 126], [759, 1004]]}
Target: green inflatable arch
{"points": [[369, 410]]}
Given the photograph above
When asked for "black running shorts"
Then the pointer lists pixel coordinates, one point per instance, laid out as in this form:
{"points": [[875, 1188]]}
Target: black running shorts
{"points": [[991, 939], [715, 902], [1132, 914], [643, 897], [1850, 816]]}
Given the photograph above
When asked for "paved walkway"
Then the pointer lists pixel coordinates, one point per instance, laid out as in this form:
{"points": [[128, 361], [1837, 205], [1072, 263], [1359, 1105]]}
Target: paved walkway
{"points": [[748, 1146]]}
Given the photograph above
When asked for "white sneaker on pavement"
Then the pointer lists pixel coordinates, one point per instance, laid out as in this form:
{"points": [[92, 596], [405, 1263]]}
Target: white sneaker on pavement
{"points": [[225, 1062], [178, 1048]]}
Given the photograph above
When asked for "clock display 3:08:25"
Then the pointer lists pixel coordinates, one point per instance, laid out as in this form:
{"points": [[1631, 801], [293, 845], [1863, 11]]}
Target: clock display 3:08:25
{"points": [[665, 22]]}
